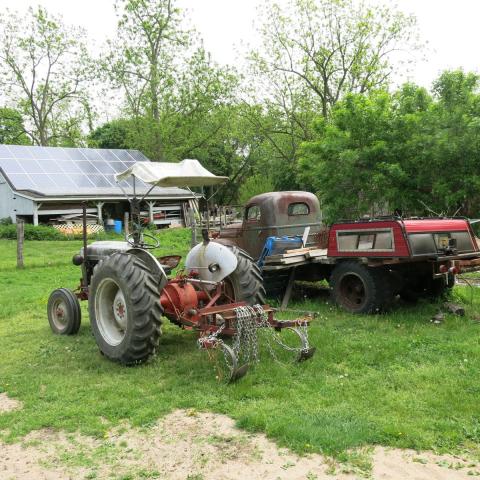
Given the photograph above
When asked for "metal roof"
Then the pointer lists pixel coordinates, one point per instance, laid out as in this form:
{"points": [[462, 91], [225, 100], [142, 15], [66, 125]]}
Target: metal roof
{"points": [[57, 172]]}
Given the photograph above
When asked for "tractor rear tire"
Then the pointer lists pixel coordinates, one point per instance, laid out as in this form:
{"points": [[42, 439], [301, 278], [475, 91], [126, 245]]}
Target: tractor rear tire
{"points": [[359, 289], [63, 311], [125, 309], [246, 280]]}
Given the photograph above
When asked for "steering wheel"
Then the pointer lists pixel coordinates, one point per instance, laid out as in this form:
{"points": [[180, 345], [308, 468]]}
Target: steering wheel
{"points": [[145, 245]]}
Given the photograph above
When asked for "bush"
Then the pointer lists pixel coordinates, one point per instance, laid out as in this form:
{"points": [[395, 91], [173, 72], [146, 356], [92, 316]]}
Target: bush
{"points": [[6, 221], [254, 186], [41, 232]]}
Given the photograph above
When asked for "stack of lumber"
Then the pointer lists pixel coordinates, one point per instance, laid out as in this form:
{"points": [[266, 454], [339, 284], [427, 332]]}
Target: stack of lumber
{"points": [[299, 256]]}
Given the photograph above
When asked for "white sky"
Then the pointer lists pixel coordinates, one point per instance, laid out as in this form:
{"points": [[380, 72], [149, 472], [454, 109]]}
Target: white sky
{"points": [[451, 28]]}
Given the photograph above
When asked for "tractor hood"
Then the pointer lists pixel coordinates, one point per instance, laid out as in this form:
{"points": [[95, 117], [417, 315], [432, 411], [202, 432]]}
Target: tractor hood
{"points": [[187, 173]]}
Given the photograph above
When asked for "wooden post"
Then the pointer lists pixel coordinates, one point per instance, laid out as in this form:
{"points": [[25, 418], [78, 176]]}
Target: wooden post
{"points": [[193, 226], [288, 291], [20, 239], [126, 216], [100, 213], [150, 211]]}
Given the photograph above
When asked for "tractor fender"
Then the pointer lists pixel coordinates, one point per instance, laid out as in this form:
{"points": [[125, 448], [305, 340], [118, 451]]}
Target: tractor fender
{"points": [[212, 261], [153, 264]]}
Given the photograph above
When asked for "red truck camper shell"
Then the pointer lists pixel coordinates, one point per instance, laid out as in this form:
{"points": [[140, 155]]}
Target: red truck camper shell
{"points": [[393, 238]]}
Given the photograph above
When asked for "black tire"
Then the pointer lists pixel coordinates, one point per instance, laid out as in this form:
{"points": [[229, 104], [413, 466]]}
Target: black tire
{"points": [[427, 287], [125, 310], [246, 281], [63, 311], [359, 289]]}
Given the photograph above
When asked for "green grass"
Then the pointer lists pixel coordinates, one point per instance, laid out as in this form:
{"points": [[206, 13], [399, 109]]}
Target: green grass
{"points": [[394, 379]]}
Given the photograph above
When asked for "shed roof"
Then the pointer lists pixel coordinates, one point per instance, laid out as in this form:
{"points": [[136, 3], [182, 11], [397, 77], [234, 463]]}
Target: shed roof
{"points": [[87, 173]]}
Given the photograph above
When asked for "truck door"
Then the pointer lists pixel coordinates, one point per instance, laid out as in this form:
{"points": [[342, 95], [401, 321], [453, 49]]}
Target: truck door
{"points": [[254, 234]]}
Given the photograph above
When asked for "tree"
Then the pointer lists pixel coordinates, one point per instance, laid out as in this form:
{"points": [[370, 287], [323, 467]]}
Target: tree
{"points": [[44, 70], [333, 47], [114, 134], [140, 60], [348, 162], [408, 150], [12, 130], [313, 54], [254, 185]]}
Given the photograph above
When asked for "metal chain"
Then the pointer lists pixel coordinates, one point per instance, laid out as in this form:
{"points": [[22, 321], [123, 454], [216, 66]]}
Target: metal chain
{"points": [[249, 320], [245, 342], [218, 342]]}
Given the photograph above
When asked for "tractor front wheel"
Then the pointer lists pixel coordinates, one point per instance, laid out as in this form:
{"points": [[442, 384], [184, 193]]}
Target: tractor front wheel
{"points": [[63, 311], [125, 310]]}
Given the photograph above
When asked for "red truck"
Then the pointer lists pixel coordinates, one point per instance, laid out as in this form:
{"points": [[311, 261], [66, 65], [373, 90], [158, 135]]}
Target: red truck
{"points": [[366, 262]]}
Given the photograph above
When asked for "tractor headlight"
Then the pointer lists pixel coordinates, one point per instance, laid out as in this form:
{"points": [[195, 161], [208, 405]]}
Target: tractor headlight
{"points": [[213, 267]]}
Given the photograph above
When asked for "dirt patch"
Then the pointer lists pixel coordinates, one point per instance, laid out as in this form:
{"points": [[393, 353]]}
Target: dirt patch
{"points": [[202, 446], [8, 404]]}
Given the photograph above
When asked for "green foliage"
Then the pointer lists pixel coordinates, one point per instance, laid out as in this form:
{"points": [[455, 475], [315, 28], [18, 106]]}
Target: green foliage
{"points": [[406, 150], [5, 221], [254, 185], [32, 232], [114, 134], [8, 231], [12, 129], [44, 69], [314, 53]]}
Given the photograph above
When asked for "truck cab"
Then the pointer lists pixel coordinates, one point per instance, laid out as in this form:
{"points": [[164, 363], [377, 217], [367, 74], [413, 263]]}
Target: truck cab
{"points": [[273, 214]]}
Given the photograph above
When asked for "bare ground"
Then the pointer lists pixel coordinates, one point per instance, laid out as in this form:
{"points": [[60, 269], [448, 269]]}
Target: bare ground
{"points": [[8, 404], [204, 446]]}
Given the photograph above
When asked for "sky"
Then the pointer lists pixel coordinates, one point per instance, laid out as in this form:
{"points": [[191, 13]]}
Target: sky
{"points": [[450, 28]]}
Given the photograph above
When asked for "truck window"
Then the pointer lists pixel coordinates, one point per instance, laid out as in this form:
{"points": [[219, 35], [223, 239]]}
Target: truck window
{"points": [[365, 242], [422, 243], [464, 241], [428, 243], [253, 213], [379, 240], [298, 208]]}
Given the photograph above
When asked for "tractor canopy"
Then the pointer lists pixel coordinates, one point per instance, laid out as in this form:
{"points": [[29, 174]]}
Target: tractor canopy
{"points": [[187, 173]]}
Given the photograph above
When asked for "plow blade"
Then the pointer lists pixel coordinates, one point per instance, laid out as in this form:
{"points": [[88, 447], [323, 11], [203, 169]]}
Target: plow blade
{"points": [[305, 354], [234, 371]]}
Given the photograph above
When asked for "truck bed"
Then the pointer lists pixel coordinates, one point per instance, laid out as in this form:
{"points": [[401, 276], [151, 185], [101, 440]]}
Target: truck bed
{"points": [[297, 257]]}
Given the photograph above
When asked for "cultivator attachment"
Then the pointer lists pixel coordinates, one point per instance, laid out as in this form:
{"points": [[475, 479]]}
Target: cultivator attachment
{"points": [[244, 323]]}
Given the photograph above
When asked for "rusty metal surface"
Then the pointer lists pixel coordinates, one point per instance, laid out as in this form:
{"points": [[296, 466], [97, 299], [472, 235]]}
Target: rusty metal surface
{"points": [[274, 220]]}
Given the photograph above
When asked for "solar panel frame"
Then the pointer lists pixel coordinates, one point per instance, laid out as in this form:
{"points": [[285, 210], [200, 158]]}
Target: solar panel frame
{"points": [[62, 171]]}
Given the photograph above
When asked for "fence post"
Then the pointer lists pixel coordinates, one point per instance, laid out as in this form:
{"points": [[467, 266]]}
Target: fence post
{"points": [[20, 240], [125, 225]]}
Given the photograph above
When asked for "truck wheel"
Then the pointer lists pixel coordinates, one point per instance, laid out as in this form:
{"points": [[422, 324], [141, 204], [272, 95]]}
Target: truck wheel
{"points": [[358, 289], [125, 310], [245, 284], [63, 311], [427, 287]]}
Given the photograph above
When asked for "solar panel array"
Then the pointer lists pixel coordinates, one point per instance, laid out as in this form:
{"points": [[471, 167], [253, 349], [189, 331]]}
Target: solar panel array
{"points": [[70, 171]]}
